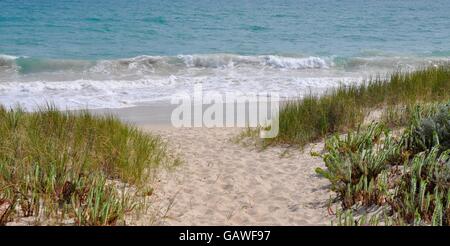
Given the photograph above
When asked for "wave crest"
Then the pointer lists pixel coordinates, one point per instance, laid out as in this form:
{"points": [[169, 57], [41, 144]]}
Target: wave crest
{"points": [[142, 65], [297, 63], [166, 65], [227, 61]]}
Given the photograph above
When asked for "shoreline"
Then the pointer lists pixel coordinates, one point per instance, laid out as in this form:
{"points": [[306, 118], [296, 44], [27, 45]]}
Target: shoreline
{"points": [[224, 179], [159, 113]]}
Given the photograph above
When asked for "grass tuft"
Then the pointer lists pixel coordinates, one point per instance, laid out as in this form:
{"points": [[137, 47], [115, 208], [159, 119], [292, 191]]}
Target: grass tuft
{"points": [[59, 165]]}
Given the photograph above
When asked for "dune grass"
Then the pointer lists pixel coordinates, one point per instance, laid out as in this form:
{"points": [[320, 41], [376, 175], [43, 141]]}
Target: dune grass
{"points": [[63, 165], [344, 108]]}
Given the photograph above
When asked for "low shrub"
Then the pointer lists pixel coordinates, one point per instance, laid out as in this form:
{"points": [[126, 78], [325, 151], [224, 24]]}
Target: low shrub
{"points": [[408, 175], [355, 164]]}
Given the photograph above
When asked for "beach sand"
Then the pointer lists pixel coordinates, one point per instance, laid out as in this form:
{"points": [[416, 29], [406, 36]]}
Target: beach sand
{"points": [[224, 182], [221, 182]]}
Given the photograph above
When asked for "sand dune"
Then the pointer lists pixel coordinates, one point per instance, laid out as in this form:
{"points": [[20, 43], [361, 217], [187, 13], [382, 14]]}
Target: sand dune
{"points": [[224, 183]]}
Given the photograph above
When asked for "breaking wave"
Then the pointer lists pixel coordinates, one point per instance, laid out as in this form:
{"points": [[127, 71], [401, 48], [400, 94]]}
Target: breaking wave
{"points": [[142, 65], [117, 83], [151, 64]]}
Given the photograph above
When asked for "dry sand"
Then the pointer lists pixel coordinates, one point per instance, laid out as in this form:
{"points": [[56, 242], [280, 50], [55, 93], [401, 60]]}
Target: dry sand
{"points": [[221, 182]]}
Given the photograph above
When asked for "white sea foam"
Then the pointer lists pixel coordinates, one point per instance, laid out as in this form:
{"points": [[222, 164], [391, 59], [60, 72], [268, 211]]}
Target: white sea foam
{"points": [[6, 60], [297, 63], [79, 94], [75, 84], [7, 57], [228, 61]]}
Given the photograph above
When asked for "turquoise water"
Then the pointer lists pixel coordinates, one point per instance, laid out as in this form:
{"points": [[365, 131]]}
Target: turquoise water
{"points": [[118, 53], [119, 28]]}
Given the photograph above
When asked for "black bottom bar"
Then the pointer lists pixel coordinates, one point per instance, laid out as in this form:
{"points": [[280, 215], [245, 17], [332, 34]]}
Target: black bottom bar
{"points": [[222, 235]]}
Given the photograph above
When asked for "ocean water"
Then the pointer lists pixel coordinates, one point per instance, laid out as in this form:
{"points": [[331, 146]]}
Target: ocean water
{"points": [[119, 53]]}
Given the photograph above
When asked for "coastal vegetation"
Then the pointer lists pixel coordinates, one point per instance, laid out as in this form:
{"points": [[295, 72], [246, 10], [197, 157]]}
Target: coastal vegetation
{"points": [[391, 169], [405, 175], [344, 108], [74, 168]]}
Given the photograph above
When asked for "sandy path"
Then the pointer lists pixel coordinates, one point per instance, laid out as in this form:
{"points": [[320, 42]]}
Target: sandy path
{"points": [[223, 183]]}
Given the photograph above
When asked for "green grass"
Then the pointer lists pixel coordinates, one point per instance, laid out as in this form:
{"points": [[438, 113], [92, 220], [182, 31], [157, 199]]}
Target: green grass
{"points": [[62, 166], [344, 108]]}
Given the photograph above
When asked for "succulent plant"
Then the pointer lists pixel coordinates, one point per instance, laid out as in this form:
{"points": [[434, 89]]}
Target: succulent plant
{"points": [[423, 195], [408, 175], [355, 161], [429, 131]]}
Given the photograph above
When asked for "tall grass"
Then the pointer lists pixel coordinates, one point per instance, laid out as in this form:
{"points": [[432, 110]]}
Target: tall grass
{"points": [[344, 108], [59, 165]]}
